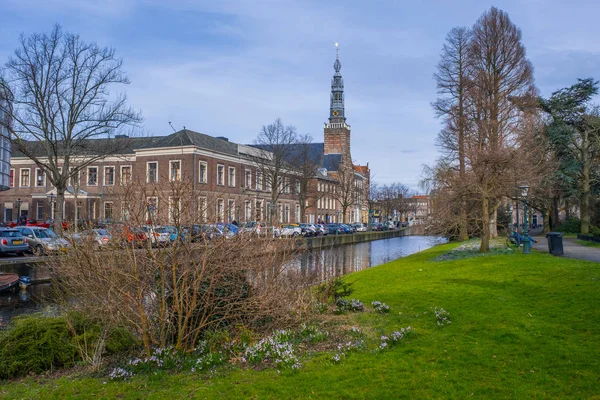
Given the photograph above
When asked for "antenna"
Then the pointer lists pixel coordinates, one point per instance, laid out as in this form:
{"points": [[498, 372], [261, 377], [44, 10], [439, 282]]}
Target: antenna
{"points": [[171, 125]]}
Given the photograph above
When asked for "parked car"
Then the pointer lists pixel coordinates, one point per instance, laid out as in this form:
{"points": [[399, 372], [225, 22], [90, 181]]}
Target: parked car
{"points": [[43, 240], [358, 227], [259, 228], [347, 228], [290, 230], [322, 229], [176, 233], [159, 236], [308, 230], [335, 229], [97, 238], [12, 241], [128, 235]]}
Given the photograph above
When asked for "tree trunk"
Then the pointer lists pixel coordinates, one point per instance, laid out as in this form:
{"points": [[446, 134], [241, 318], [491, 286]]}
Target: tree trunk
{"points": [[59, 211], [585, 211], [485, 225], [546, 220], [494, 224], [555, 211], [585, 185]]}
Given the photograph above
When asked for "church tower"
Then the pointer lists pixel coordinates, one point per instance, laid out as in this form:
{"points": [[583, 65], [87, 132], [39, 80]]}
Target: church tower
{"points": [[337, 132]]}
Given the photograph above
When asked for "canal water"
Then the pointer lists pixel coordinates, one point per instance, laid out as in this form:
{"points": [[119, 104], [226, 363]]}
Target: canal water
{"points": [[318, 265]]}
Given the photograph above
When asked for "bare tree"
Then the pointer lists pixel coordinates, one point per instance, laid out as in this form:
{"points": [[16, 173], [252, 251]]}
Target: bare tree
{"points": [[275, 146], [502, 77], [306, 165], [453, 81], [346, 191], [60, 88]]}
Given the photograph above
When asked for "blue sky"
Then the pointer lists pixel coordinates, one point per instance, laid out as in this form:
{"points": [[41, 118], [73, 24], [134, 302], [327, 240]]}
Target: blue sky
{"points": [[225, 68]]}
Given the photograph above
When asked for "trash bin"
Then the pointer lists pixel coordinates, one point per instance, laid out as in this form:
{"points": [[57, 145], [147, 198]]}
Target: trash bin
{"points": [[555, 243]]}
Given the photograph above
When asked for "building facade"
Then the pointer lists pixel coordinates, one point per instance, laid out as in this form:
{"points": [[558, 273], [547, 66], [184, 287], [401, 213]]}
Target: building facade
{"points": [[222, 180]]}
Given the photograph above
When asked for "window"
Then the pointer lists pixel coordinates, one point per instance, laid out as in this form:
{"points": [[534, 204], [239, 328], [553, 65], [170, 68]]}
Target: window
{"points": [[259, 181], [248, 179], [220, 175], [232, 176], [286, 184], [174, 209], [24, 177], [298, 213], [40, 178], [175, 170], [12, 177], [109, 176], [125, 174], [152, 172], [108, 210], [203, 172], [202, 209], [152, 214], [125, 211], [287, 213], [74, 177], [259, 210], [230, 210], [298, 187], [39, 213], [268, 182], [92, 176], [220, 210], [247, 211]]}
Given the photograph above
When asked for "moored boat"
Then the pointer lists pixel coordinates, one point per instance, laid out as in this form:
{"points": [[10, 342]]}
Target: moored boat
{"points": [[8, 281]]}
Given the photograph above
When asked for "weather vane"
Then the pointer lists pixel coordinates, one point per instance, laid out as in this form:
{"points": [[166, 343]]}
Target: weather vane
{"points": [[337, 49]]}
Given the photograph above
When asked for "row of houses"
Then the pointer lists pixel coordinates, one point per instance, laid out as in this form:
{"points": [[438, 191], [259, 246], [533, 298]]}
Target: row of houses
{"points": [[222, 181]]}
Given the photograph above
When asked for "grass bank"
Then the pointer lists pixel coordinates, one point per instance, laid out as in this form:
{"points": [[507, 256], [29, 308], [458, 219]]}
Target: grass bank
{"points": [[522, 326]]}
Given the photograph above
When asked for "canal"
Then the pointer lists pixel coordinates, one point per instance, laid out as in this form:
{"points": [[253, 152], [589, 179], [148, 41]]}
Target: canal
{"points": [[318, 265]]}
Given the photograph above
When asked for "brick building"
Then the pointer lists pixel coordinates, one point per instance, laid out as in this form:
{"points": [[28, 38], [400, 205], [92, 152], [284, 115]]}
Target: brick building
{"points": [[222, 177]]}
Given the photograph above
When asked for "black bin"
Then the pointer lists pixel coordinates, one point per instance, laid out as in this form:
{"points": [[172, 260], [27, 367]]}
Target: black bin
{"points": [[555, 243]]}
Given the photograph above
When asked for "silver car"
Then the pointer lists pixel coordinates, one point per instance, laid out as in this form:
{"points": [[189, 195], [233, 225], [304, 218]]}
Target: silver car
{"points": [[12, 241], [98, 238], [43, 240]]}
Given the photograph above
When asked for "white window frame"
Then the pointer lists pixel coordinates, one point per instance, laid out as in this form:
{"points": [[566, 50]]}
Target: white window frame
{"points": [[154, 215], [112, 207], [230, 210], [177, 178], [78, 178], [229, 176], [114, 177], [298, 213], [172, 209], [258, 206], [298, 187], [220, 210], [39, 210], [259, 181], [203, 179], [287, 213], [122, 182], [148, 172], [21, 177], [87, 180], [222, 180], [248, 178], [247, 211], [41, 171], [203, 209]]}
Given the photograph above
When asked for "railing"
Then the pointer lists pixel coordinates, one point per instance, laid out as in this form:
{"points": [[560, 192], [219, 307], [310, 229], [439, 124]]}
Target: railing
{"points": [[337, 125]]}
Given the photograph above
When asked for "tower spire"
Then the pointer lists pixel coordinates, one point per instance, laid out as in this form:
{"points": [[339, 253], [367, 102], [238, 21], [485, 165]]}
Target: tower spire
{"points": [[336, 108]]}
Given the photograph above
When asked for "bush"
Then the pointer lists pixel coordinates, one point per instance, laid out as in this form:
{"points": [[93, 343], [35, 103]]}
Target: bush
{"points": [[36, 344], [572, 225], [334, 290]]}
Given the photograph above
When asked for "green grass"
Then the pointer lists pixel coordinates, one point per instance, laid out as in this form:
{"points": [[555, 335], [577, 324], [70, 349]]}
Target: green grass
{"points": [[523, 326], [587, 243]]}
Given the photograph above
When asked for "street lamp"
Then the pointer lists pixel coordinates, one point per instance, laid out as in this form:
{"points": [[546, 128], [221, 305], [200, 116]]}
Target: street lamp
{"points": [[18, 203], [51, 200], [526, 242]]}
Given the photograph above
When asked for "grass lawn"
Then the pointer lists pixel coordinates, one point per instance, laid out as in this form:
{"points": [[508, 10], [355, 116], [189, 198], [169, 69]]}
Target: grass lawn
{"points": [[587, 243], [523, 326]]}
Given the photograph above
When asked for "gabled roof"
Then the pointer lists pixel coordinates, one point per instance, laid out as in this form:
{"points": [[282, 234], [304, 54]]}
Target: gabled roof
{"points": [[185, 137]]}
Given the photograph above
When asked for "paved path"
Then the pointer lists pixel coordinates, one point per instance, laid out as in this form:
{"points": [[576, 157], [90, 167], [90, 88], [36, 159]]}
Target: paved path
{"points": [[571, 249]]}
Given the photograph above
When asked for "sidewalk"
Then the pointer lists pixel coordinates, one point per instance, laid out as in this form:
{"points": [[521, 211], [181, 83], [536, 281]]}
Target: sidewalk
{"points": [[571, 249]]}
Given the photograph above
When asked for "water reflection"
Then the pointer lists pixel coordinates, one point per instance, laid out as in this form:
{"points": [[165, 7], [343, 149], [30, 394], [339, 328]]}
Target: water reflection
{"points": [[325, 263]]}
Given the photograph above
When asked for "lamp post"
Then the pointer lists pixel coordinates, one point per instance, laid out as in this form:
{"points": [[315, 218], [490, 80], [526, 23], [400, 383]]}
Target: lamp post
{"points": [[18, 204], [526, 242], [51, 200]]}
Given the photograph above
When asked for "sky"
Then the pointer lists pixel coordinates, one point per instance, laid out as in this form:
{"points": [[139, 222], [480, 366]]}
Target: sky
{"points": [[226, 68]]}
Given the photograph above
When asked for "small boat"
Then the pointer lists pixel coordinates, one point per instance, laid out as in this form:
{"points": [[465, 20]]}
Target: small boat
{"points": [[8, 281]]}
